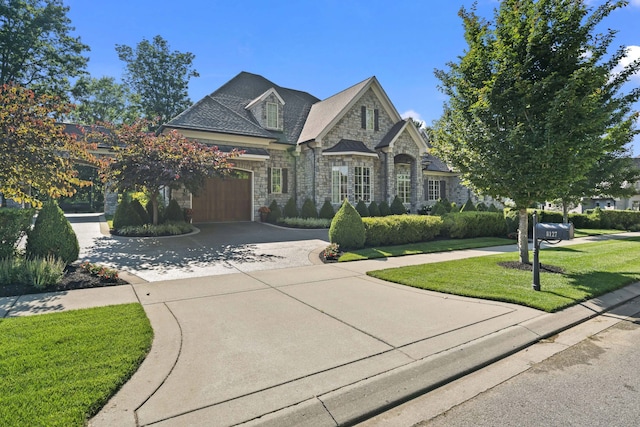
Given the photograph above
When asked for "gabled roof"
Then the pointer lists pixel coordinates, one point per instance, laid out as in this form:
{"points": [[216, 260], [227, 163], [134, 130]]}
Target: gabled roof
{"points": [[224, 111], [325, 114]]}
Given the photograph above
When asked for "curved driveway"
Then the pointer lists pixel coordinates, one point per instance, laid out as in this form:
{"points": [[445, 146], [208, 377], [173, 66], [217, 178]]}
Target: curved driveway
{"points": [[218, 248]]}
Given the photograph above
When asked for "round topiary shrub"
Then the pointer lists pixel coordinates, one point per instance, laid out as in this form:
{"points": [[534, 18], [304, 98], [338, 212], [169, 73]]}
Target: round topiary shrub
{"points": [[274, 212], [142, 212], [373, 209], [290, 209], [309, 209], [52, 235], [125, 215], [347, 229], [174, 212], [362, 209], [397, 208], [326, 211], [383, 207]]}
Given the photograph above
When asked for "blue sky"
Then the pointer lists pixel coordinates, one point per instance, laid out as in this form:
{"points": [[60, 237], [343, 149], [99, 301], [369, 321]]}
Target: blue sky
{"points": [[321, 46]]}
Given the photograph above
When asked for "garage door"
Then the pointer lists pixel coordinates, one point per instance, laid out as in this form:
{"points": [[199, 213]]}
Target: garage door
{"points": [[224, 199]]}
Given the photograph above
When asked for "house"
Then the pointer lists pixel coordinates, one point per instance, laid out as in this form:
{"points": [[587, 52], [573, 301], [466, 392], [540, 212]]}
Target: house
{"points": [[351, 145], [610, 203]]}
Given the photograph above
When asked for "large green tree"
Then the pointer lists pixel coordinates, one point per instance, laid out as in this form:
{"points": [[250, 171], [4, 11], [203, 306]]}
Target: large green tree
{"points": [[148, 162], [160, 77], [532, 100], [36, 151], [37, 49], [103, 100]]}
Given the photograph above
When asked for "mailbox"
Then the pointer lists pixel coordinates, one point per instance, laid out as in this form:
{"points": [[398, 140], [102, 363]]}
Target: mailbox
{"points": [[553, 231]]}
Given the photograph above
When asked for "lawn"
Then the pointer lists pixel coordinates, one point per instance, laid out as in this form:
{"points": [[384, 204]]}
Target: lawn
{"points": [[589, 270], [424, 248], [59, 369]]}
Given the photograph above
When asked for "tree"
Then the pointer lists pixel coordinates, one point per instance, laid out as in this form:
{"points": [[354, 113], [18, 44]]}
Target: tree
{"points": [[103, 100], [533, 100], [36, 152], [36, 48], [148, 162], [159, 77]]}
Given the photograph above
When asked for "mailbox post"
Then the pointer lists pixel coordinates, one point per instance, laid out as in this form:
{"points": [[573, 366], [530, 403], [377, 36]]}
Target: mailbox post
{"points": [[546, 231]]}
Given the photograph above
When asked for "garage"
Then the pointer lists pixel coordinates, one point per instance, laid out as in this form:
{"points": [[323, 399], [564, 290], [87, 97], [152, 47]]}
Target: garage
{"points": [[224, 199]]}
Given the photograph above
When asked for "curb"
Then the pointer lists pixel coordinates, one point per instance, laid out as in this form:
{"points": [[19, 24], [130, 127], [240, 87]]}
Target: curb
{"points": [[355, 403]]}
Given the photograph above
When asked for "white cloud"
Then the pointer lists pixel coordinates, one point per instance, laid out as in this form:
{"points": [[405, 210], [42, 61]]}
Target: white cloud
{"points": [[410, 113], [633, 54], [635, 3]]}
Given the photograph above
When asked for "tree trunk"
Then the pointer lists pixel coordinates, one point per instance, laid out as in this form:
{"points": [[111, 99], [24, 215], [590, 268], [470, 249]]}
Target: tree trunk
{"points": [[154, 203], [523, 237], [565, 212]]}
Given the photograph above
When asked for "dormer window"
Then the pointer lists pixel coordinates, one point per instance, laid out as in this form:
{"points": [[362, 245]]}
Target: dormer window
{"points": [[273, 115]]}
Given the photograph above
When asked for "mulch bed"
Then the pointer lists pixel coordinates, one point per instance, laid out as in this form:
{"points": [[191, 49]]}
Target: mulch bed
{"points": [[546, 268], [74, 278]]}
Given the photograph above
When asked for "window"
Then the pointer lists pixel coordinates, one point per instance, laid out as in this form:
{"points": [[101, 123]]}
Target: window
{"points": [[276, 180], [338, 184], [272, 115], [362, 186], [404, 187], [434, 189], [369, 118]]}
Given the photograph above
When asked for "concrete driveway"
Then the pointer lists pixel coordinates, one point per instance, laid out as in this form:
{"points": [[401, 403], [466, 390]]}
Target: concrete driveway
{"points": [[218, 248]]}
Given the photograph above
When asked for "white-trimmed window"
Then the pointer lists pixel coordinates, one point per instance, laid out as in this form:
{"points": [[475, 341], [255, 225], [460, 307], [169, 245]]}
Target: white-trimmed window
{"points": [[338, 184], [370, 119], [403, 181], [362, 183], [434, 189], [276, 180], [272, 115]]}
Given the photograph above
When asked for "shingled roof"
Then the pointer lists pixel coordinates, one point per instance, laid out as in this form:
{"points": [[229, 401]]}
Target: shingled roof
{"points": [[223, 111], [349, 146]]}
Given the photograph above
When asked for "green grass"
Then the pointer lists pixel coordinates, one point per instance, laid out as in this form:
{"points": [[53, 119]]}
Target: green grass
{"points": [[59, 369], [590, 270], [583, 232], [423, 248]]}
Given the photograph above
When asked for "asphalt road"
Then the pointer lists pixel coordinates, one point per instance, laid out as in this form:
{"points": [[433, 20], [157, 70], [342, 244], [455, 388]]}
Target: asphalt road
{"points": [[593, 383]]}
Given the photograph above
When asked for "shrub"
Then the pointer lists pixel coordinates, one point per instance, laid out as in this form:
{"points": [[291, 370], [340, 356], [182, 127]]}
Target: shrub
{"points": [[149, 230], [401, 229], [454, 207], [307, 222], [14, 224], [468, 207], [397, 208], [52, 235], [331, 252], [309, 209], [384, 209], [274, 212], [290, 209], [346, 228], [327, 211], [438, 209], [373, 209], [174, 212], [149, 208], [474, 224], [550, 216], [619, 220], [493, 208], [42, 272], [104, 273], [362, 209], [141, 211], [8, 270], [125, 215], [481, 207]]}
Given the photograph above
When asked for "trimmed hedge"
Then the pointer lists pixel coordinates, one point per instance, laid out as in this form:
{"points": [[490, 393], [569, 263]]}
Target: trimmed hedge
{"points": [[384, 209], [52, 235], [327, 211], [474, 224], [290, 209], [373, 209], [362, 209], [14, 224], [309, 209], [400, 229], [274, 212], [346, 228], [397, 208]]}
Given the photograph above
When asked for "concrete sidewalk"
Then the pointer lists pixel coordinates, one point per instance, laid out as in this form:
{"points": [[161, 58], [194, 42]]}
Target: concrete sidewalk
{"points": [[318, 345]]}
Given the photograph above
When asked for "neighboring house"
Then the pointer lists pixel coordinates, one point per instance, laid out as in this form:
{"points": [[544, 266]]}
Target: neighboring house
{"points": [[351, 145], [632, 203]]}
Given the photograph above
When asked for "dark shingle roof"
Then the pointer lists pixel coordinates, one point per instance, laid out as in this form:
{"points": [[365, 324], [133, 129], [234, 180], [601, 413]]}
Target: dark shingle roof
{"points": [[393, 132], [349, 146], [224, 110]]}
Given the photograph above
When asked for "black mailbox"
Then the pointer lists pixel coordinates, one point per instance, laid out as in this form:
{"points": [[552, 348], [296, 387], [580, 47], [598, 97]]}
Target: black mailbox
{"points": [[553, 231]]}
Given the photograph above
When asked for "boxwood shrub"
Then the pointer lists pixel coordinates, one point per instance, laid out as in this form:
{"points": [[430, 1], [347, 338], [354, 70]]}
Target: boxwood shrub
{"points": [[14, 224], [52, 235], [400, 229], [346, 228], [470, 224]]}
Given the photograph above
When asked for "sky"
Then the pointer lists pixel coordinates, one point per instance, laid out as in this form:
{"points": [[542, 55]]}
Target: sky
{"points": [[318, 46]]}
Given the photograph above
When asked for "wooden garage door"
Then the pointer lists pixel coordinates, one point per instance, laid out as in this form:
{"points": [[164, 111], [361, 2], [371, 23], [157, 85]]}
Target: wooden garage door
{"points": [[224, 199]]}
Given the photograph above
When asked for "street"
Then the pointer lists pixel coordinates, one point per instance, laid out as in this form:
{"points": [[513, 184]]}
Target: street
{"points": [[594, 382]]}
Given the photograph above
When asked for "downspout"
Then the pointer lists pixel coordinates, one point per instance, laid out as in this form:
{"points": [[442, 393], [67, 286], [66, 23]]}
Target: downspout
{"points": [[386, 176], [313, 177]]}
